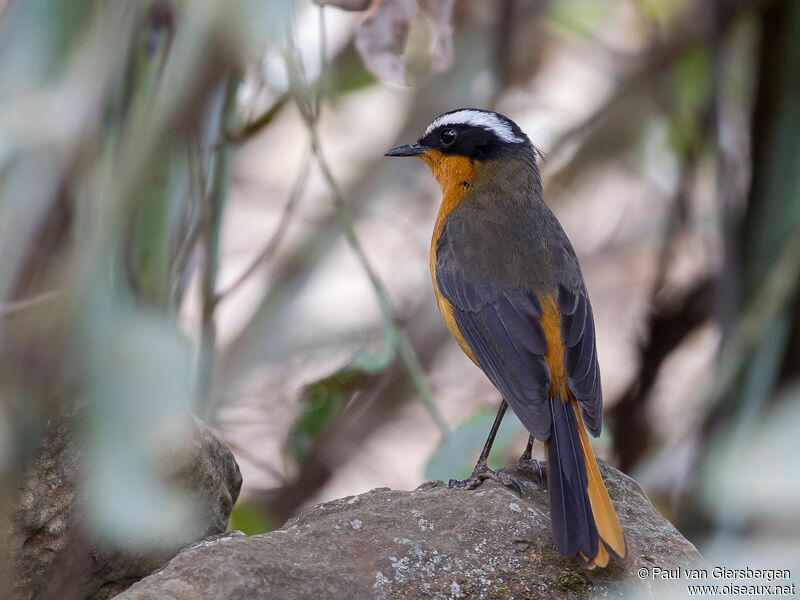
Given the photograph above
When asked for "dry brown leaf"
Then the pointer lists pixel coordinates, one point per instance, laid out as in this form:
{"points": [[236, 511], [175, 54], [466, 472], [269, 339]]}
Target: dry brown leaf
{"points": [[354, 5], [441, 13], [381, 38]]}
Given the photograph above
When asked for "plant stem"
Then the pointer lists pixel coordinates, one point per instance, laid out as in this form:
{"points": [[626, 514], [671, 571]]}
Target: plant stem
{"points": [[208, 335], [283, 225], [404, 349]]}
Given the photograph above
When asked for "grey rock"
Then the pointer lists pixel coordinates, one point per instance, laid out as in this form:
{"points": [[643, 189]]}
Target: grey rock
{"points": [[433, 542], [52, 553]]}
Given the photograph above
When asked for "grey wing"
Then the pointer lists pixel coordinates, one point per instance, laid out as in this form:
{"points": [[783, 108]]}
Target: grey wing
{"points": [[580, 355], [503, 330]]}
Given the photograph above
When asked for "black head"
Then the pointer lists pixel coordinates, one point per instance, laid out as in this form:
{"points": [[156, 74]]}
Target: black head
{"points": [[470, 132]]}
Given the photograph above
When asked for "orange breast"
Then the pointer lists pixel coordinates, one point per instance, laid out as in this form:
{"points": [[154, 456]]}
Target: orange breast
{"points": [[454, 174]]}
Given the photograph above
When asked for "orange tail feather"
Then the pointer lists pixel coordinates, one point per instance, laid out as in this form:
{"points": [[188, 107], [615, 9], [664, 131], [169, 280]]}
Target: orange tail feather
{"points": [[605, 517]]}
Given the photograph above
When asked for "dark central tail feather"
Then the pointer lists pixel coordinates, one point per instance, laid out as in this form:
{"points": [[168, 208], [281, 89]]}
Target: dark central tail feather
{"points": [[574, 528], [584, 521]]}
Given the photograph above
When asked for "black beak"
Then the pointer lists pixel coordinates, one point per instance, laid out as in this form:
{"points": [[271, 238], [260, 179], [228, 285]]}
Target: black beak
{"points": [[408, 150]]}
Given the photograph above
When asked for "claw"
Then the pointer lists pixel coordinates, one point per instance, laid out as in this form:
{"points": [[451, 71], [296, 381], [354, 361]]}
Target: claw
{"points": [[515, 483], [526, 462], [533, 464], [462, 484], [481, 473]]}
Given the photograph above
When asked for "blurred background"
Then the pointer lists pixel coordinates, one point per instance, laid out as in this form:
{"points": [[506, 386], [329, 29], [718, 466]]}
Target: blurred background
{"points": [[195, 211]]}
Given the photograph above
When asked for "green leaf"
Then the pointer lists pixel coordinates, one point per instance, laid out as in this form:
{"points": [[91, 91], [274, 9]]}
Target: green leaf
{"points": [[347, 73], [324, 399], [250, 519], [576, 16], [691, 78], [455, 456], [690, 86], [663, 11]]}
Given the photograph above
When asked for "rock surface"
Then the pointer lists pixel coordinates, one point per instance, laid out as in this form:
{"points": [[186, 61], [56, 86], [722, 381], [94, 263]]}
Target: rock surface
{"points": [[432, 542], [52, 554]]}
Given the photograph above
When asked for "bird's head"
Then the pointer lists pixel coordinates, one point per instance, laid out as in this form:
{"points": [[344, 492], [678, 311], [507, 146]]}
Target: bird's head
{"points": [[457, 143]]}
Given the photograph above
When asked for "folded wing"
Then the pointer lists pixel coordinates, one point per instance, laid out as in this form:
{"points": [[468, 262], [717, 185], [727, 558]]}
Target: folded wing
{"points": [[503, 330], [580, 355]]}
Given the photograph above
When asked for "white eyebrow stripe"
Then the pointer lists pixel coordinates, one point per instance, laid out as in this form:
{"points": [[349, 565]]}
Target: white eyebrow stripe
{"points": [[477, 118]]}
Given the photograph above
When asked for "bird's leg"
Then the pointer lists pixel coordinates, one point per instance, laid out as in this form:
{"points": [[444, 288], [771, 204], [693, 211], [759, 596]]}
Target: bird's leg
{"points": [[527, 462], [482, 470]]}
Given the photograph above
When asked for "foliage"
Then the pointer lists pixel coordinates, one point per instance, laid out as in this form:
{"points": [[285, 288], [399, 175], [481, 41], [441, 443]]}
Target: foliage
{"points": [[324, 399]]}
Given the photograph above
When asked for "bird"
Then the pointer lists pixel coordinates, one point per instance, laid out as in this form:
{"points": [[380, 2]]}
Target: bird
{"points": [[510, 291]]}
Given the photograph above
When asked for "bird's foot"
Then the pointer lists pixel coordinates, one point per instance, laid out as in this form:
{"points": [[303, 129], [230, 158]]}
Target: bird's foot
{"points": [[481, 473], [528, 463]]}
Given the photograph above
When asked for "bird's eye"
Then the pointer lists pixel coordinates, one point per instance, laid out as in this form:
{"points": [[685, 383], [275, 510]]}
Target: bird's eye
{"points": [[448, 136]]}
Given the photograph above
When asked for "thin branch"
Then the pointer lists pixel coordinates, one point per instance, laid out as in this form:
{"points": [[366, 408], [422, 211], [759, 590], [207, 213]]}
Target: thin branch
{"points": [[283, 225], [197, 190], [403, 346], [772, 297], [395, 333], [323, 53], [668, 324], [9, 308], [257, 461], [379, 398], [255, 126], [299, 185], [687, 31], [216, 204]]}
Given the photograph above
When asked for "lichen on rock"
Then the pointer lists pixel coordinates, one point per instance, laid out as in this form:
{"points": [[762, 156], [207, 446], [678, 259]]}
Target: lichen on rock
{"points": [[432, 542]]}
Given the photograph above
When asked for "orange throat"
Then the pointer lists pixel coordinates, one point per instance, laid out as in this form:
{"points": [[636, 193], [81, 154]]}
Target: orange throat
{"points": [[454, 174]]}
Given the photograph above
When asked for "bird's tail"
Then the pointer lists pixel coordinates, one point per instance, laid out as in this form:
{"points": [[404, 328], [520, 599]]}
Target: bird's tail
{"points": [[583, 520]]}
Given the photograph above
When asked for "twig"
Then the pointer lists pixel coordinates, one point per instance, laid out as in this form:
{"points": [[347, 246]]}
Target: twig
{"points": [[8, 308], [317, 87], [283, 225], [197, 223], [685, 32], [253, 127], [403, 346], [323, 53], [668, 324], [375, 404], [257, 461], [772, 297], [394, 332], [208, 336]]}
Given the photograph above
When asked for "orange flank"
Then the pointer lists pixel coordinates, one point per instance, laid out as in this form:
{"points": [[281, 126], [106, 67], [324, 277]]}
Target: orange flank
{"points": [[450, 322], [554, 357], [606, 520]]}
